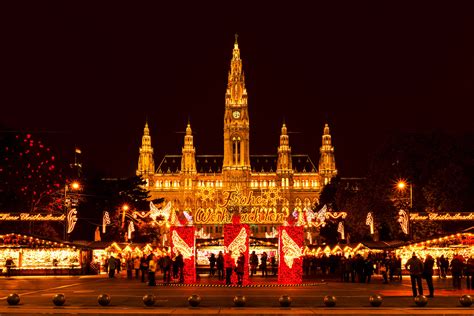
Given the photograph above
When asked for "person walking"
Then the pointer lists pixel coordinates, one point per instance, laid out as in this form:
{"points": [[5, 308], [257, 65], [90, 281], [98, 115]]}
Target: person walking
{"points": [[240, 268], [253, 263], [263, 264], [457, 266], [212, 264], [415, 266], [220, 266], [428, 273], [152, 264], [229, 267]]}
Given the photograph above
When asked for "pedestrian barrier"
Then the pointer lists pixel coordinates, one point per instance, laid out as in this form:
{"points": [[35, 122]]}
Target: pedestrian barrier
{"points": [[194, 300], [59, 299], [375, 300], [13, 299], [465, 300], [239, 300], [285, 301], [421, 301], [149, 300], [104, 299], [330, 301]]}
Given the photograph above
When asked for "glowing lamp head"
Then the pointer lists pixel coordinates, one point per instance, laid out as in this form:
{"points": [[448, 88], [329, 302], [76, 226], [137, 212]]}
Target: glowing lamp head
{"points": [[401, 185], [75, 185], [125, 207]]}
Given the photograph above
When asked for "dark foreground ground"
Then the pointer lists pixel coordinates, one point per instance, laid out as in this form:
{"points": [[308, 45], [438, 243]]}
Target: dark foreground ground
{"points": [[352, 298]]}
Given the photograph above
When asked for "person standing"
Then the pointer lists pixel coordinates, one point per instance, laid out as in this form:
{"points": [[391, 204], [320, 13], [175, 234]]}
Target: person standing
{"points": [[220, 266], [229, 267], [368, 268], [112, 265], [415, 266], [136, 267], [240, 268], [470, 273], [253, 263], [8, 265], [167, 268], [273, 264], [152, 264], [143, 266], [180, 266], [428, 273], [212, 264], [444, 266], [457, 265], [263, 264]]}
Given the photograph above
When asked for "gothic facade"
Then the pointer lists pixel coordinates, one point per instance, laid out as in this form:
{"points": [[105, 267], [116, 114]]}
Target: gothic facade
{"points": [[279, 182]]}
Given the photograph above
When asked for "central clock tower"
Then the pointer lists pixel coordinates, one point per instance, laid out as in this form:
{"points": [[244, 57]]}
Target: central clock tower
{"points": [[236, 168]]}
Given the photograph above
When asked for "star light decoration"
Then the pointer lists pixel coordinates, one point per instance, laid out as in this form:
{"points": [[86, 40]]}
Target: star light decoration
{"points": [[206, 194], [290, 249], [272, 196]]}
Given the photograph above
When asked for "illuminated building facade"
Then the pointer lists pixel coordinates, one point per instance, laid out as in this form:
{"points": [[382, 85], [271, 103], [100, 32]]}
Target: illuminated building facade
{"points": [[266, 189]]}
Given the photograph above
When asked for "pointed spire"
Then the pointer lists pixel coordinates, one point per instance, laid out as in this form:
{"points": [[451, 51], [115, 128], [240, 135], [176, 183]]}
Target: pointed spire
{"points": [[146, 164], [188, 159], [284, 163], [327, 161], [188, 129], [283, 129]]}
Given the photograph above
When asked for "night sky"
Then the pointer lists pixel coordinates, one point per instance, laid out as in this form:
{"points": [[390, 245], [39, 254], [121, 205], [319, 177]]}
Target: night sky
{"points": [[88, 74]]}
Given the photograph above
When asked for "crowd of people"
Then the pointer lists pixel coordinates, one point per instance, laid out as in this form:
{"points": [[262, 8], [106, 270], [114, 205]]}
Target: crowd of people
{"points": [[349, 269]]}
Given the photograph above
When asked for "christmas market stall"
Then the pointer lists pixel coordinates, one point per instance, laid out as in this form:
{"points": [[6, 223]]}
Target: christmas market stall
{"points": [[37, 256], [447, 246]]}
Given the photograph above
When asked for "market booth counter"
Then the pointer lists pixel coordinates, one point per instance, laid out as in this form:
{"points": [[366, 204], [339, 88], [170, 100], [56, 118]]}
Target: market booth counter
{"points": [[36, 256]]}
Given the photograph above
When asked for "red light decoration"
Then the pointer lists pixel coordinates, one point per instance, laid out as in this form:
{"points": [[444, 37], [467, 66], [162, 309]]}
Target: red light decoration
{"points": [[290, 266], [236, 239], [183, 241]]}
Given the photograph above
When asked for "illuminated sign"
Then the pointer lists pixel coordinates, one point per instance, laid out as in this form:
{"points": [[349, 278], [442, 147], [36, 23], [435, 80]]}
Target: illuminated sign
{"points": [[254, 215], [442, 216], [31, 217]]}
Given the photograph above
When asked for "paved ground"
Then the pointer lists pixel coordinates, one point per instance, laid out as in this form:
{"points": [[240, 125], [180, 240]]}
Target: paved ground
{"points": [[352, 298]]}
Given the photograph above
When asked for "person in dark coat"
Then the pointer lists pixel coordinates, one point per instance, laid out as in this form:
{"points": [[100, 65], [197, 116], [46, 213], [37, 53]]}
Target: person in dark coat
{"points": [[229, 264], [457, 265], [368, 268], [470, 273], [240, 269], [263, 264], [179, 260], [220, 266], [415, 266], [167, 263], [428, 273], [253, 263], [112, 262], [212, 264]]}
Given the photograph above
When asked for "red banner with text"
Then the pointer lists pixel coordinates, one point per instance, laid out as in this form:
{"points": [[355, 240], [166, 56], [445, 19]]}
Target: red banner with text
{"points": [[290, 244], [183, 241], [236, 239]]}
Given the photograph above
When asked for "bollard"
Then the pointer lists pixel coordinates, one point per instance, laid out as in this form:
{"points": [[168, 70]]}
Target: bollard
{"points": [[104, 299], [375, 300], [149, 300], [330, 301], [285, 301], [421, 300], [465, 300], [59, 299], [13, 299], [239, 300], [194, 300]]}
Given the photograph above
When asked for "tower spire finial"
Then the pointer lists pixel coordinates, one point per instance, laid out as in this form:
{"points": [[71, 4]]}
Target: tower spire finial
{"points": [[236, 39]]}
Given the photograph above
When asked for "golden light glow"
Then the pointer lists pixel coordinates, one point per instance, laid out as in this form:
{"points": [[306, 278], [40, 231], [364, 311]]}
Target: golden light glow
{"points": [[125, 207], [401, 184], [75, 185]]}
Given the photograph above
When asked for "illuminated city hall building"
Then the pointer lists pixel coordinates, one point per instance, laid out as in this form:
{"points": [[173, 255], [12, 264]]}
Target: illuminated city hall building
{"points": [[266, 190]]}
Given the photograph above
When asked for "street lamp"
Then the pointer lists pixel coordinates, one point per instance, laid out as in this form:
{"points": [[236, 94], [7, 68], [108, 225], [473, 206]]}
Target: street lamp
{"points": [[405, 216], [125, 208], [72, 186]]}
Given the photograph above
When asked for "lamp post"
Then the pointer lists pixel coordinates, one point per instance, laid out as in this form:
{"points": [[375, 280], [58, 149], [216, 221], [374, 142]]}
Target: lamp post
{"points": [[402, 185], [72, 186]]}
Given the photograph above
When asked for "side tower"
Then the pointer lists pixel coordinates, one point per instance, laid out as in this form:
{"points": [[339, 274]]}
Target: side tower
{"points": [[146, 165], [284, 162], [327, 162], [236, 165]]}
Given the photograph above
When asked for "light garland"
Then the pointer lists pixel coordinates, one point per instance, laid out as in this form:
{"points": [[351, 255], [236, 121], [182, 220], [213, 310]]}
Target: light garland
{"points": [[131, 229], [71, 220], [291, 250], [403, 220], [180, 246], [290, 265], [105, 221], [340, 229], [370, 222]]}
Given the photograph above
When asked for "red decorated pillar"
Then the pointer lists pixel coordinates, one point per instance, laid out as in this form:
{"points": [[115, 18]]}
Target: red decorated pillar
{"points": [[290, 245], [236, 239], [183, 241]]}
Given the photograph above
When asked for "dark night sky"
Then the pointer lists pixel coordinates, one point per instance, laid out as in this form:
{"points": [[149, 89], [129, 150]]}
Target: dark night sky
{"points": [[89, 74]]}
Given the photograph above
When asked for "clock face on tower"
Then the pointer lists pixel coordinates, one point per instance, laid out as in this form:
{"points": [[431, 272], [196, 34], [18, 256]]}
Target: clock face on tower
{"points": [[236, 114]]}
